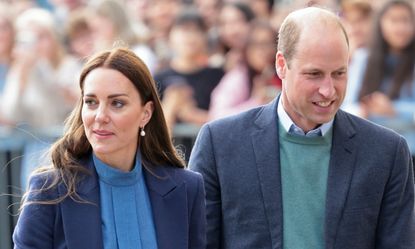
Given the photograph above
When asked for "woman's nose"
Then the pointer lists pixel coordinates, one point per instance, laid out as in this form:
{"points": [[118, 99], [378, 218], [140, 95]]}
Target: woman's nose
{"points": [[101, 115]]}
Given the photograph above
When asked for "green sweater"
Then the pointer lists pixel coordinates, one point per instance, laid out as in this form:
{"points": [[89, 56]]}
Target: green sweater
{"points": [[304, 169]]}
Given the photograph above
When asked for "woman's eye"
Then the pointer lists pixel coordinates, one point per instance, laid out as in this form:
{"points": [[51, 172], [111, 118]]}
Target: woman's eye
{"points": [[89, 102], [117, 103]]}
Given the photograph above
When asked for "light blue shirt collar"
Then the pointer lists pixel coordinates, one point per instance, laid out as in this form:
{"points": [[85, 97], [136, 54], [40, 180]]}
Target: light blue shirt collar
{"points": [[291, 127]]}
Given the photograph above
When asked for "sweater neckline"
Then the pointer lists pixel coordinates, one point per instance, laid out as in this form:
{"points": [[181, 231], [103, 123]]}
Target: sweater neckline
{"points": [[302, 139]]}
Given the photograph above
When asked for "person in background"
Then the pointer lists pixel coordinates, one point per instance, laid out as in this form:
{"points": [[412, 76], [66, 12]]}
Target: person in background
{"points": [[115, 180], [159, 17], [79, 39], [186, 85], [7, 37], [62, 9], [40, 87], [253, 81], [234, 25], [357, 16], [262, 8], [210, 10], [111, 24], [385, 85], [299, 172], [6, 42]]}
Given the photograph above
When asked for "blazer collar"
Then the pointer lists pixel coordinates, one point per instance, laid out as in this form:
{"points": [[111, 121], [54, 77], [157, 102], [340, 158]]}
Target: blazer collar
{"points": [[341, 167], [82, 221], [169, 205], [264, 138], [159, 179], [267, 115]]}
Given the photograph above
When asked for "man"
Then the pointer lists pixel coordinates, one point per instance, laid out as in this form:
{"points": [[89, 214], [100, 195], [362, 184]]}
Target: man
{"points": [[300, 173]]}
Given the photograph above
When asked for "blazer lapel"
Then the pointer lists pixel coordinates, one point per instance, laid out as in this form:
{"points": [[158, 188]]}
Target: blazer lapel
{"points": [[341, 168], [82, 221], [266, 149], [170, 209]]}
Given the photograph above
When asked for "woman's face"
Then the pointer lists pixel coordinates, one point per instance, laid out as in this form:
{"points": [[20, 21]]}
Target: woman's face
{"points": [[233, 27], [261, 49], [397, 27], [112, 114]]}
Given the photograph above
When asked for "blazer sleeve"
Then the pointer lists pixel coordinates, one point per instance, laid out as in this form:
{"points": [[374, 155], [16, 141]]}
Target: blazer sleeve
{"points": [[34, 227], [202, 160], [197, 233], [396, 227]]}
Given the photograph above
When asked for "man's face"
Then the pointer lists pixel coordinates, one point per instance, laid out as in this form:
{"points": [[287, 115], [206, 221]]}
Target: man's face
{"points": [[314, 82]]}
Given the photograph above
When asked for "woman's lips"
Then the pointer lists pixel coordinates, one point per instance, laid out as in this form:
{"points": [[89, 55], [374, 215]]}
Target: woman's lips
{"points": [[103, 133]]}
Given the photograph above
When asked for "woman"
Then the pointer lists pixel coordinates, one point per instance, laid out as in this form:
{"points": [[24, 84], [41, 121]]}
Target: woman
{"points": [[384, 89], [234, 24], [116, 180], [253, 81], [111, 24]]}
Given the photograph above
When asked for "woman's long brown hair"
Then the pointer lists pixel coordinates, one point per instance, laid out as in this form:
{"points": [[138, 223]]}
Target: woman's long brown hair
{"points": [[156, 147], [376, 65]]}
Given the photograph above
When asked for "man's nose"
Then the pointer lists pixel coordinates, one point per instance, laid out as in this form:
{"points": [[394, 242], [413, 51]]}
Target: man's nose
{"points": [[327, 88]]}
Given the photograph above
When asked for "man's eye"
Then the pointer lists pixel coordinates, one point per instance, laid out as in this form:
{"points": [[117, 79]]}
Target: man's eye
{"points": [[340, 74], [313, 74]]}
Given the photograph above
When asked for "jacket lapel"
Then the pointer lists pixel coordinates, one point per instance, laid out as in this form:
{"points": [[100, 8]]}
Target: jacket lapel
{"points": [[170, 209], [341, 168], [81, 221], [266, 150]]}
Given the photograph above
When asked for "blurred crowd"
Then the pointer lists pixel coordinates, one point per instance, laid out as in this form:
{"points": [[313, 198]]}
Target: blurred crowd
{"points": [[209, 58]]}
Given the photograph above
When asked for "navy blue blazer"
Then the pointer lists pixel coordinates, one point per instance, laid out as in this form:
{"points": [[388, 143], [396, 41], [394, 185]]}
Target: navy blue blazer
{"points": [[370, 188], [177, 201]]}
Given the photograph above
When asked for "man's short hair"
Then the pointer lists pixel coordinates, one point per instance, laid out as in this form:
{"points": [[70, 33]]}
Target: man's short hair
{"points": [[290, 31]]}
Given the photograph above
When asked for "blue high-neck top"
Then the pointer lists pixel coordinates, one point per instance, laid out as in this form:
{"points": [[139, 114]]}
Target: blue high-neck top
{"points": [[126, 216]]}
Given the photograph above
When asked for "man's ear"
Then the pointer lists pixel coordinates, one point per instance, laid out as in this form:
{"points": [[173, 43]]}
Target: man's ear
{"points": [[280, 65]]}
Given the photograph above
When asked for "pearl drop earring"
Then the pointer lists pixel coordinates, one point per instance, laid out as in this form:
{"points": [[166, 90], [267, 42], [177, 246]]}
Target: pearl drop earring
{"points": [[142, 132]]}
